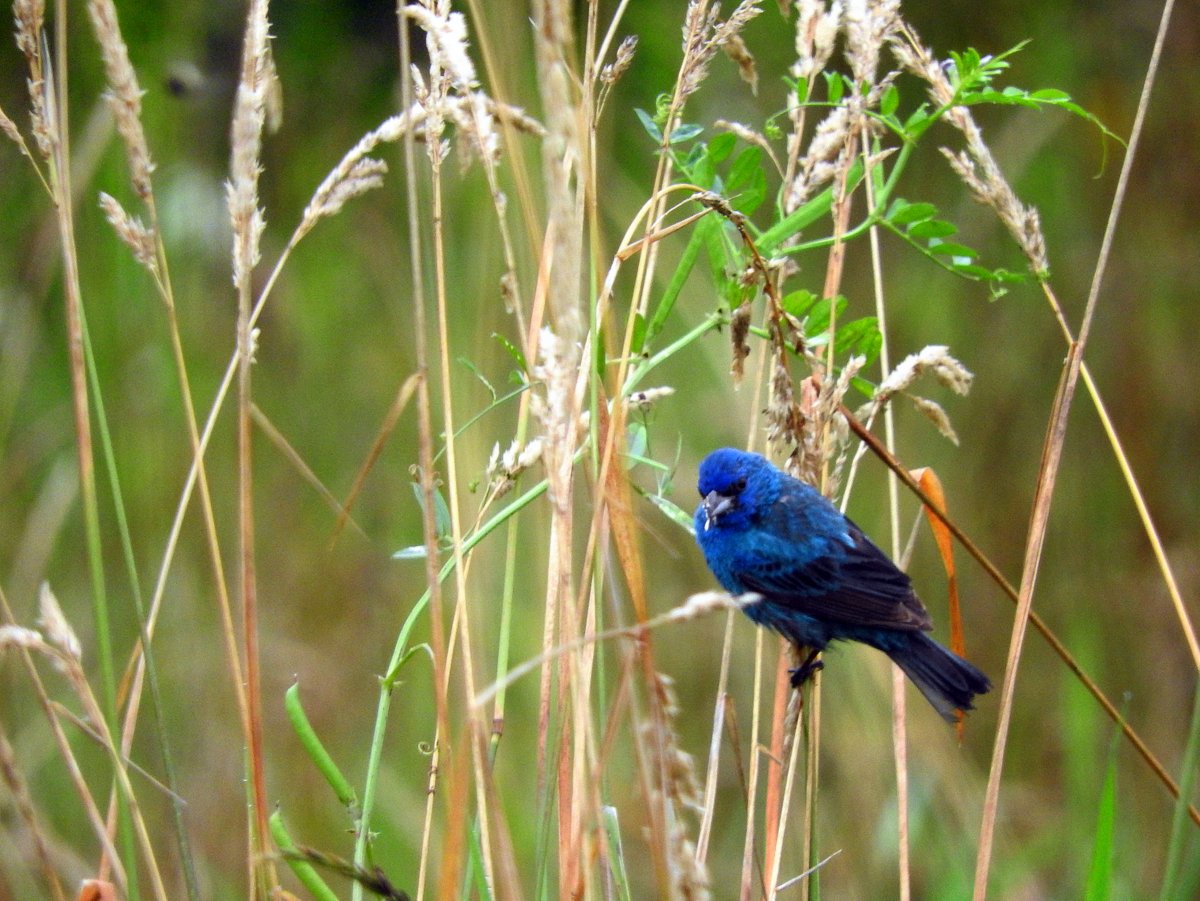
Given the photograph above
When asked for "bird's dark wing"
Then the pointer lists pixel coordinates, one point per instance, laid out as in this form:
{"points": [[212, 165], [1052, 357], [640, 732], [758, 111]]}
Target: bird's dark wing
{"points": [[851, 583]]}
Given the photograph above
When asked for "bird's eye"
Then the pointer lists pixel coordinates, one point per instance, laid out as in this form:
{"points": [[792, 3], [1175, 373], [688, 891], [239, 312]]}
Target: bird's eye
{"points": [[737, 486]]}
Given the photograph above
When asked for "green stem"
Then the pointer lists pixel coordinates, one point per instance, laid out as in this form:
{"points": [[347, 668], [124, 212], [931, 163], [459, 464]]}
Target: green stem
{"points": [[110, 460], [399, 654]]}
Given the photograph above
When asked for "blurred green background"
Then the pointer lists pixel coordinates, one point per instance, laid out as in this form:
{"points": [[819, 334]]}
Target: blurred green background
{"points": [[337, 344]]}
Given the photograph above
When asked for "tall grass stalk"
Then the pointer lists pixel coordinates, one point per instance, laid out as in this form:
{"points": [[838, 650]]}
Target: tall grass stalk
{"points": [[582, 782], [1051, 458]]}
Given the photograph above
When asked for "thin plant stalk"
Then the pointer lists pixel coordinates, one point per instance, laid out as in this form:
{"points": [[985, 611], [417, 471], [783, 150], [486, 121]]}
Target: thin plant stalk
{"points": [[74, 773], [899, 727], [746, 887], [248, 122], [54, 89], [161, 739], [1052, 455], [425, 478]]}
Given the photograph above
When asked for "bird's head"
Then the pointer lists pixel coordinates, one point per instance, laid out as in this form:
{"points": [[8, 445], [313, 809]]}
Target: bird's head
{"points": [[734, 485]]}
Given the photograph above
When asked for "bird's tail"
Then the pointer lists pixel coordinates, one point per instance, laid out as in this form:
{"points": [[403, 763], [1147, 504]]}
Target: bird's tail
{"points": [[948, 682]]}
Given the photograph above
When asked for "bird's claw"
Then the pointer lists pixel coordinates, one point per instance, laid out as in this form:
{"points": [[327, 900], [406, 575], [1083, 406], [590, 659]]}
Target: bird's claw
{"points": [[804, 671]]}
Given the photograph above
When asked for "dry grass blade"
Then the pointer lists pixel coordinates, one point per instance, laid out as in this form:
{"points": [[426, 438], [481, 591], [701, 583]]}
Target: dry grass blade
{"points": [[293, 456], [249, 117], [1056, 432], [18, 787], [1055, 437], [403, 396], [993, 572], [27, 642]]}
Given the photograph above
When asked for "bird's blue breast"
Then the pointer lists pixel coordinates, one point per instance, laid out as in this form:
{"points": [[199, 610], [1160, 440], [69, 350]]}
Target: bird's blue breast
{"points": [[789, 548]]}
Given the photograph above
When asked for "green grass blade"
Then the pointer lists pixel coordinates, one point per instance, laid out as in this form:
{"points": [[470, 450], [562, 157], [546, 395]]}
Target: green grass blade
{"points": [[1181, 831], [317, 754], [1100, 874], [616, 854], [302, 870]]}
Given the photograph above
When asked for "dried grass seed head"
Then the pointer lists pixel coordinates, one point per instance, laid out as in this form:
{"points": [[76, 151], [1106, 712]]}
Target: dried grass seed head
{"points": [[124, 96], [558, 371], [356, 173], [57, 630], [9, 127], [704, 34], [680, 790], [246, 143], [503, 469], [647, 398], [736, 49], [817, 25], [42, 117], [29, 16], [131, 231], [819, 165], [446, 38], [934, 359], [610, 73], [20, 637], [934, 412], [708, 602], [868, 24]]}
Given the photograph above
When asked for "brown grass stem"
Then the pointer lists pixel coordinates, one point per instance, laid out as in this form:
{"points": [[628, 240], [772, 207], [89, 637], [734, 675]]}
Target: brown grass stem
{"points": [[1052, 455], [63, 746], [1038, 623]]}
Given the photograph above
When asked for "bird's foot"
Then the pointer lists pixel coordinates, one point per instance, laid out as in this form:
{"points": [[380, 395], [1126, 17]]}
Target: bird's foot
{"points": [[805, 670]]}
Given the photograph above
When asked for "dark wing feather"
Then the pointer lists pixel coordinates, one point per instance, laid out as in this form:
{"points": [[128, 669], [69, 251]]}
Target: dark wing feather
{"points": [[852, 584]]}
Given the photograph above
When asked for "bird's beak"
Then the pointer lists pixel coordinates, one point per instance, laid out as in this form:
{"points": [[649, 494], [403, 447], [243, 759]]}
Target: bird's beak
{"points": [[714, 505]]}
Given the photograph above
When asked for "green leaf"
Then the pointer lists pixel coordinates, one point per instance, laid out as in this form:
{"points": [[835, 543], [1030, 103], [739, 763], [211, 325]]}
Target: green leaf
{"points": [[700, 168], [513, 351], [475, 371], [639, 333], [798, 303], [599, 356], [476, 871], [859, 336], [1175, 876], [834, 86], [637, 441], [974, 271], [441, 512], [862, 386], [818, 319], [303, 871], [1100, 874], [741, 173], [747, 183], [890, 101], [806, 214], [678, 278], [946, 249], [684, 133], [932, 228], [649, 124], [673, 511], [916, 124], [721, 146], [696, 158], [905, 213], [710, 230]]}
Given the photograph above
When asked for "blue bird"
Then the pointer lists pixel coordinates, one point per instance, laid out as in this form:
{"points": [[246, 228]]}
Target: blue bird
{"points": [[820, 578]]}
